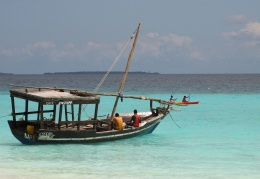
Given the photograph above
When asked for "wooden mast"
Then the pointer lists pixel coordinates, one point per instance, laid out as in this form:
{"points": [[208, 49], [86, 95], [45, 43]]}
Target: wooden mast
{"points": [[126, 71]]}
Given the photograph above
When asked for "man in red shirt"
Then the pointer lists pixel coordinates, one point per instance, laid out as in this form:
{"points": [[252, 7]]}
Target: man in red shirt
{"points": [[184, 99], [135, 120]]}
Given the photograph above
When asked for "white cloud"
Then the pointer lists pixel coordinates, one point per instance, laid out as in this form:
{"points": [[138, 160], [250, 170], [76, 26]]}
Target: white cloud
{"points": [[249, 35], [39, 48], [253, 29], [29, 50], [171, 39], [41, 45], [69, 46], [197, 55], [53, 52], [6, 52], [151, 46], [176, 40], [243, 45], [238, 19], [152, 35], [155, 45], [169, 49]]}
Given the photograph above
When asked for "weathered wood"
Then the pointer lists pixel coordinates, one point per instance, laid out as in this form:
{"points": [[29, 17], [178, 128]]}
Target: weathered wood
{"points": [[126, 71], [32, 112], [26, 109], [39, 88], [60, 115], [13, 109], [79, 116], [72, 114], [54, 112], [38, 114], [85, 93], [50, 97], [95, 116], [66, 115], [41, 115]]}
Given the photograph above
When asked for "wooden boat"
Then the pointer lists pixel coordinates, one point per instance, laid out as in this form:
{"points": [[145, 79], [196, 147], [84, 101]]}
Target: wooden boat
{"points": [[57, 115]]}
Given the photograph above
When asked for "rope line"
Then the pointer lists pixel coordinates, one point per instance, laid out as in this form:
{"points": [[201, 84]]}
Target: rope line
{"points": [[174, 121], [6, 115], [112, 66]]}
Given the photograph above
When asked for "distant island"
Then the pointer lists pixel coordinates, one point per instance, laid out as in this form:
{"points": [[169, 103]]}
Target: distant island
{"points": [[6, 73], [101, 72]]}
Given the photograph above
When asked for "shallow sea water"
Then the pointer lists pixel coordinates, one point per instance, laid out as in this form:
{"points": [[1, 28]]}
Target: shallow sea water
{"points": [[218, 138]]}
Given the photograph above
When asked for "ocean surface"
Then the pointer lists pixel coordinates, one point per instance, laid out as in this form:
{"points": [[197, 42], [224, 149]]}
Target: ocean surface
{"points": [[218, 138]]}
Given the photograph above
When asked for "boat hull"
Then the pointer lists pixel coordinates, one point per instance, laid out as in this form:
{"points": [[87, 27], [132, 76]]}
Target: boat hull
{"points": [[187, 103], [81, 136]]}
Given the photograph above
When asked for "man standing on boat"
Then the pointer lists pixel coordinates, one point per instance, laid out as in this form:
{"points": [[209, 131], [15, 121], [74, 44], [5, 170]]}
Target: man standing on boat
{"points": [[135, 120]]}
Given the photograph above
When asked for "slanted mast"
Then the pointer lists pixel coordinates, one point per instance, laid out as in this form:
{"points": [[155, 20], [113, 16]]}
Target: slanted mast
{"points": [[126, 71]]}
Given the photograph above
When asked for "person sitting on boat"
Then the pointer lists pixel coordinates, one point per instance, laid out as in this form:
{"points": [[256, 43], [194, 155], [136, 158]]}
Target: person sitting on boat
{"points": [[117, 122], [172, 100], [135, 120], [184, 99]]}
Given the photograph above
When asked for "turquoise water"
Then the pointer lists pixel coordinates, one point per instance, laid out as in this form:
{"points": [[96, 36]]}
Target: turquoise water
{"points": [[218, 138]]}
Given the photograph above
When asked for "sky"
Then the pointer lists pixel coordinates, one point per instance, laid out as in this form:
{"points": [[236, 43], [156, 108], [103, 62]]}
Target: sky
{"points": [[176, 36]]}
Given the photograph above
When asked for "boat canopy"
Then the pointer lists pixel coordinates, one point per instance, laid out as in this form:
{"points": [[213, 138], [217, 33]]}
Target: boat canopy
{"points": [[53, 96]]}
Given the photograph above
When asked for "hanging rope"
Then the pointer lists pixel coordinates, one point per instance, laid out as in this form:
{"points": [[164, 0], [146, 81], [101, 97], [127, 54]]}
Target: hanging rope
{"points": [[112, 66], [174, 121], [6, 115]]}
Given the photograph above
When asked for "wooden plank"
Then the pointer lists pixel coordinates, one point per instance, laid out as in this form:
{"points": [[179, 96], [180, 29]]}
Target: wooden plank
{"points": [[60, 116], [26, 110], [126, 71], [13, 109], [79, 116]]}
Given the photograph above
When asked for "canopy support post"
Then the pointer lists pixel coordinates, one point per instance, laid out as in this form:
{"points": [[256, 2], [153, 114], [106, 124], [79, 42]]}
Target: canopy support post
{"points": [[79, 116]]}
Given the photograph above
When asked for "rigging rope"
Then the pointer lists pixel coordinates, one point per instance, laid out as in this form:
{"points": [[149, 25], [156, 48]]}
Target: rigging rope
{"points": [[112, 66], [6, 115], [116, 60], [174, 121]]}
